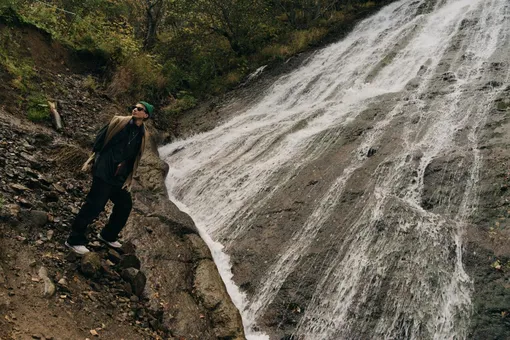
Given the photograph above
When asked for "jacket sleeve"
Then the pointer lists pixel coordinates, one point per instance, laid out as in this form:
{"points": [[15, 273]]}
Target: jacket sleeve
{"points": [[99, 141]]}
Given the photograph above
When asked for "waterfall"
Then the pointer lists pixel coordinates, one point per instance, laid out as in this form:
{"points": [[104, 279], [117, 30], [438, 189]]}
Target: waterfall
{"points": [[374, 250]]}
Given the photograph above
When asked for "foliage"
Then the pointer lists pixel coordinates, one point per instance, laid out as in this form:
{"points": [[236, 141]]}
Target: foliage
{"points": [[90, 84], [185, 102], [139, 76], [160, 49], [20, 69], [37, 107], [298, 42], [93, 25]]}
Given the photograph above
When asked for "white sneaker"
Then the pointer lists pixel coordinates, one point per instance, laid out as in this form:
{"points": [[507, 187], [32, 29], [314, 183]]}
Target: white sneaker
{"points": [[114, 244], [80, 250]]}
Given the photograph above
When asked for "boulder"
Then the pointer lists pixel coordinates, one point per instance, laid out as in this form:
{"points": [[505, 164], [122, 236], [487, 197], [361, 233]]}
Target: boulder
{"points": [[371, 152], [91, 264], [34, 218], [12, 210], [49, 286], [136, 279], [199, 248], [114, 256], [130, 261], [503, 105], [127, 248], [208, 284], [211, 290], [19, 187]]}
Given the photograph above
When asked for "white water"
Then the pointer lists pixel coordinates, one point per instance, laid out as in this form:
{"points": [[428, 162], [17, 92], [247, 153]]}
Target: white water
{"points": [[222, 177]]}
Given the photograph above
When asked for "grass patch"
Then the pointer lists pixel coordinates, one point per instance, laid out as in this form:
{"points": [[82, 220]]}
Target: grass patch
{"points": [[185, 102], [167, 116], [298, 41], [21, 73], [301, 40], [20, 69], [140, 76], [70, 157], [37, 107], [90, 84]]}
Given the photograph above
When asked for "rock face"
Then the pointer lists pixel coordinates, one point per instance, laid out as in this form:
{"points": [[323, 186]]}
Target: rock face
{"points": [[181, 275]]}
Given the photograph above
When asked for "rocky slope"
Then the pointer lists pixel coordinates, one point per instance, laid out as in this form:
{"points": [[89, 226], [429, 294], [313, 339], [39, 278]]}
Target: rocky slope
{"points": [[163, 284]]}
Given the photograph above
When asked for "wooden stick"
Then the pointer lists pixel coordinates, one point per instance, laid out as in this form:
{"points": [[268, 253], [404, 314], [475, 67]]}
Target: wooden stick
{"points": [[57, 121]]}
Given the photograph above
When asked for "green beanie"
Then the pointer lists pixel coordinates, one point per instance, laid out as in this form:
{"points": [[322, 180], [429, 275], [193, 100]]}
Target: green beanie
{"points": [[148, 107]]}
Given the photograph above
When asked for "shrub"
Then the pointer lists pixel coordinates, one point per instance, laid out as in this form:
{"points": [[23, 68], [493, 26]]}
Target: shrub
{"points": [[276, 52], [90, 84], [298, 42], [21, 72], [369, 4], [37, 107], [69, 156], [185, 102], [21, 69], [167, 115], [45, 17], [113, 38], [141, 75], [301, 40], [85, 29]]}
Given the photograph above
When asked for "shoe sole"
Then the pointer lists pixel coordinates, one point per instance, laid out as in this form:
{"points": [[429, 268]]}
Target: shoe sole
{"points": [[74, 250], [106, 242]]}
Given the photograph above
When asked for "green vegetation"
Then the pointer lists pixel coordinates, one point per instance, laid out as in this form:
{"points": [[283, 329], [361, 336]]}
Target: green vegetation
{"points": [[20, 69], [90, 84], [37, 107], [175, 52], [184, 101], [19, 72]]}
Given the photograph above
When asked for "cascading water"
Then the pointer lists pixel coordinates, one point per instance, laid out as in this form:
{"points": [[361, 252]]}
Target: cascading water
{"points": [[367, 255]]}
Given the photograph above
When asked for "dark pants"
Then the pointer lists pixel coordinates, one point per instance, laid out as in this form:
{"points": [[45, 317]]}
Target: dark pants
{"points": [[98, 196]]}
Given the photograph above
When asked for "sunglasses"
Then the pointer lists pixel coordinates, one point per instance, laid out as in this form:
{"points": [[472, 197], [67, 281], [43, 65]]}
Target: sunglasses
{"points": [[138, 108]]}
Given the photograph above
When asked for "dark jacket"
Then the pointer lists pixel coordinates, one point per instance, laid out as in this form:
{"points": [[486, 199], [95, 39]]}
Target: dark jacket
{"points": [[119, 142], [114, 162]]}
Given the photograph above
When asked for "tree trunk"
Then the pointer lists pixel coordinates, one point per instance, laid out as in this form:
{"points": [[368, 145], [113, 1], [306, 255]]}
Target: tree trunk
{"points": [[153, 11]]}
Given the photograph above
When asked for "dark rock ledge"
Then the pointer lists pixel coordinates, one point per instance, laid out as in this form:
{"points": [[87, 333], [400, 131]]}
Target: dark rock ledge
{"points": [[182, 278]]}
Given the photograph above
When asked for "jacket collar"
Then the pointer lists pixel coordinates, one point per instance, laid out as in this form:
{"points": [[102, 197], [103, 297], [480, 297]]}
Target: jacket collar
{"points": [[142, 127]]}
